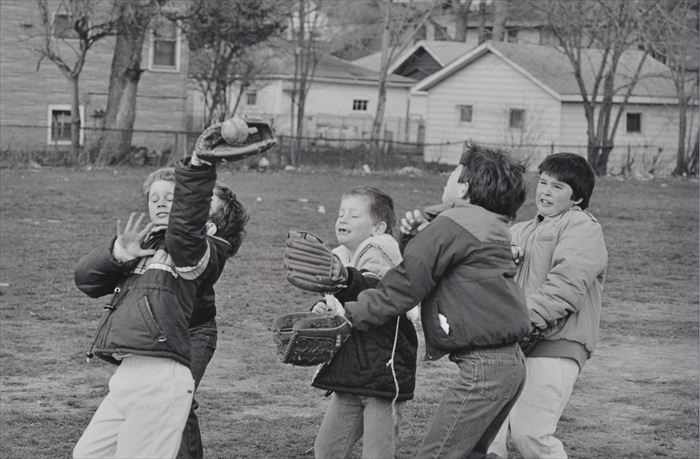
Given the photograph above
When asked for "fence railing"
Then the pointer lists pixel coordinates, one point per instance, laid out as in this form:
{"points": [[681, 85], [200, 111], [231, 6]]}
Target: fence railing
{"points": [[22, 143]]}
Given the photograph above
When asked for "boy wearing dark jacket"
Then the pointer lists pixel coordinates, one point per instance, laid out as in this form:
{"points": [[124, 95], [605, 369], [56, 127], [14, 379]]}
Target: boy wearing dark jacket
{"points": [[460, 268], [155, 274], [374, 371]]}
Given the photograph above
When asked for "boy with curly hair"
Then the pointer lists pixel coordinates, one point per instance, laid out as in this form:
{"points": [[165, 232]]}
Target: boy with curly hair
{"points": [[460, 268]]}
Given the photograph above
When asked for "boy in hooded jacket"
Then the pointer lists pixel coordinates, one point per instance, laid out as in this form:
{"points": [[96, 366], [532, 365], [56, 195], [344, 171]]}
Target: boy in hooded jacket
{"points": [[374, 372]]}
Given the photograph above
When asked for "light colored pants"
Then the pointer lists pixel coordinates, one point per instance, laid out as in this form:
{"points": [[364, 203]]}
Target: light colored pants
{"points": [[534, 417], [143, 414], [351, 417]]}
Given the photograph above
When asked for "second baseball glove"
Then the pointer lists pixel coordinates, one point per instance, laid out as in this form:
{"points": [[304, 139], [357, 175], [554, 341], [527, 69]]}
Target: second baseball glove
{"points": [[307, 338]]}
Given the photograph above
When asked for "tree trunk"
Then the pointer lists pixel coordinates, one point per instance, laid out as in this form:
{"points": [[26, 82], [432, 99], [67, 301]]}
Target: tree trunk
{"points": [[125, 73], [460, 10], [75, 119], [378, 121], [681, 168], [500, 14], [482, 22]]}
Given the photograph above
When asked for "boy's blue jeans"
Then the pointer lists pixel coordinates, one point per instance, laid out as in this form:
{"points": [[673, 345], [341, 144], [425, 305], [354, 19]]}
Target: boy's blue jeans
{"points": [[202, 347], [475, 404], [350, 417]]}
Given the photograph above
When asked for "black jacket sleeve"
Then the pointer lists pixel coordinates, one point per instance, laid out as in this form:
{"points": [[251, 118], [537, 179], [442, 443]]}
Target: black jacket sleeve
{"points": [[98, 272], [356, 283]]}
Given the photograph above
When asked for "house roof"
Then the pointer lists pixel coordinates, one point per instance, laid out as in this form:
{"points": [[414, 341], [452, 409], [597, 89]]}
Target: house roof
{"points": [[551, 70], [443, 52], [279, 63]]}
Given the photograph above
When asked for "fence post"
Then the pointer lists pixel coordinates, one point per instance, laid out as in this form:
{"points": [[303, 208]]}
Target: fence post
{"points": [[551, 148]]}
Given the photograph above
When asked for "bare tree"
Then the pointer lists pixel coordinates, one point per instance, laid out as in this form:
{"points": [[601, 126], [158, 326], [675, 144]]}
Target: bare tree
{"points": [[673, 36], [307, 20], [222, 36], [400, 25], [460, 11], [86, 23], [594, 35]]}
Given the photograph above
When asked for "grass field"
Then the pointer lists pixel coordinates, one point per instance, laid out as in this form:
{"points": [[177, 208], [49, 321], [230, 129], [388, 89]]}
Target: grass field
{"points": [[637, 397]]}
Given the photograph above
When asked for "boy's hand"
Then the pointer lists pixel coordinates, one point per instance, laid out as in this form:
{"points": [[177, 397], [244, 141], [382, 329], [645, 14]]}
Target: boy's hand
{"points": [[329, 305], [413, 222], [128, 244]]}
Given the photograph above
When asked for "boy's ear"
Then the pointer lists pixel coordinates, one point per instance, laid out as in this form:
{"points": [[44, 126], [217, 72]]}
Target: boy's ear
{"points": [[379, 228], [578, 201], [211, 228], [463, 189]]}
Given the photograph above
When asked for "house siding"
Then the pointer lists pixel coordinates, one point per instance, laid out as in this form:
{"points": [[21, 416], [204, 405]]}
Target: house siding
{"points": [[659, 131], [492, 87], [328, 108], [26, 92]]}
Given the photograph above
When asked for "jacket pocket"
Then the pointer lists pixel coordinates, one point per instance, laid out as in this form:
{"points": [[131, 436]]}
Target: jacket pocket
{"points": [[149, 318]]}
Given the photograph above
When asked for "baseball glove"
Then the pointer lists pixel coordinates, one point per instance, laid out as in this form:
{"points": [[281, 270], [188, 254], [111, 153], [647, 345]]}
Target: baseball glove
{"points": [[306, 338], [233, 140], [311, 265]]}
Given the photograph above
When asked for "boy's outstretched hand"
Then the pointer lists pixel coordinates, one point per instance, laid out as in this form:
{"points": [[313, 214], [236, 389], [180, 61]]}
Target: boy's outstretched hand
{"points": [[413, 222], [128, 244]]}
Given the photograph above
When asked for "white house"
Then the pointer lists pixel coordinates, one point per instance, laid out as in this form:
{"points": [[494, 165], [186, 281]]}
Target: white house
{"points": [[419, 61], [525, 97], [341, 101]]}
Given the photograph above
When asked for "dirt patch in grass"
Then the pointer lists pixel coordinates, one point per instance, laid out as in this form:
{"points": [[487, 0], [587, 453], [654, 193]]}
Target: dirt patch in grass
{"points": [[637, 397]]}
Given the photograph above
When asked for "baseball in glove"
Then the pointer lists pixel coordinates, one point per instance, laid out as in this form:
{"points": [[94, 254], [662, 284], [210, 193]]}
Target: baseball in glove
{"points": [[311, 265], [234, 139], [307, 338]]}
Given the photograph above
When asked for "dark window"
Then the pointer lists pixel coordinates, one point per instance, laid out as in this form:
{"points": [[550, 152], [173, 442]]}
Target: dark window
{"points": [[465, 113], [634, 122], [63, 26], [517, 118], [60, 125], [359, 105], [512, 35], [251, 98], [165, 45]]}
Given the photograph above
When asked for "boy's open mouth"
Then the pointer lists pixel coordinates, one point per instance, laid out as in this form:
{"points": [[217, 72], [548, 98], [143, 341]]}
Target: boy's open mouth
{"points": [[343, 231]]}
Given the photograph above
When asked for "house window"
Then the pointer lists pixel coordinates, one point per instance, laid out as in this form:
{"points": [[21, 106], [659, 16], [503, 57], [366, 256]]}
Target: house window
{"points": [[359, 105], [465, 113], [517, 118], [63, 26], [164, 46], [512, 35], [547, 37], [634, 122], [251, 98], [59, 127]]}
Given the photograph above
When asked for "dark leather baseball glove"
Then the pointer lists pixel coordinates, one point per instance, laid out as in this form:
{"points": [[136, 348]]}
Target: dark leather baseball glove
{"points": [[212, 145], [307, 338]]}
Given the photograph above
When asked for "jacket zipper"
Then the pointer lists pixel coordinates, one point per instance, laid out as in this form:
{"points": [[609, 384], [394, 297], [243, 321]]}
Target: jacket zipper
{"points": [[110, 307], [161, 336]]}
